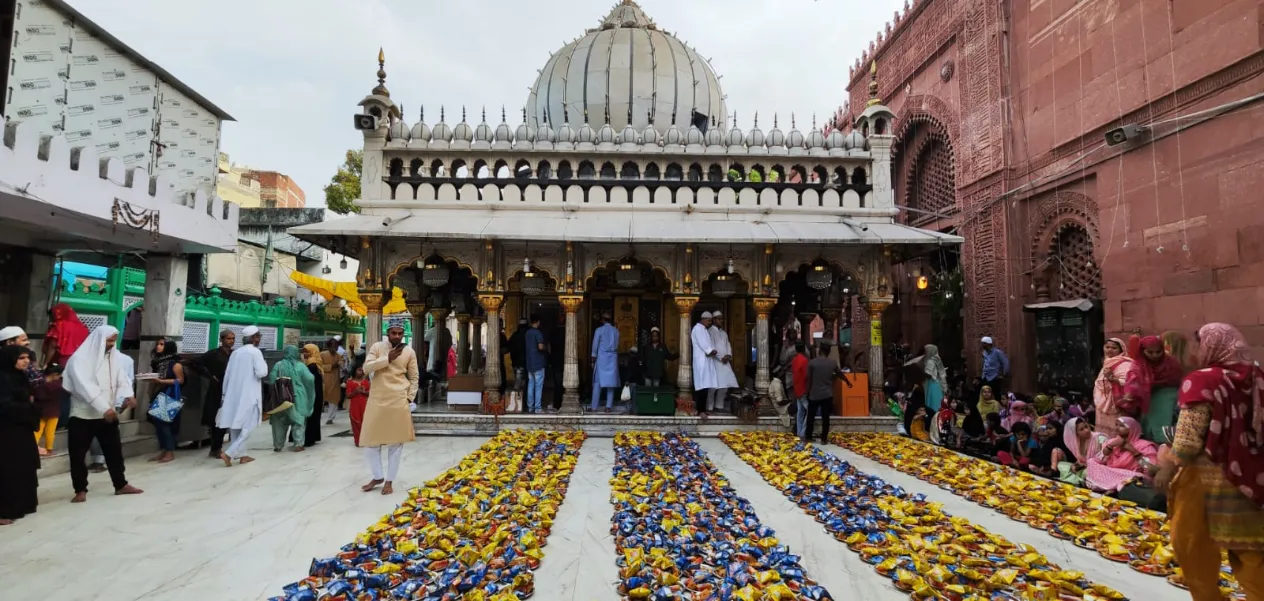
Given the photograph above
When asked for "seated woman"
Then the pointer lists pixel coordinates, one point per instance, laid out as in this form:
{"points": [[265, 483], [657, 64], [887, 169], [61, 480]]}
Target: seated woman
{"points": [[1059, 414], [1050, 443], [1079, 443], [969, 423], [1016, 451], [989, 442], [918, 425], [1019, 412], [943, 428], [1124, 458]]}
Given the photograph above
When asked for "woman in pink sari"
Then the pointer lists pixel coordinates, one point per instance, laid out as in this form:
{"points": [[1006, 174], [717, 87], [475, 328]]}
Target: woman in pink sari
{"points": [[1120, 389], [1122, 459]]}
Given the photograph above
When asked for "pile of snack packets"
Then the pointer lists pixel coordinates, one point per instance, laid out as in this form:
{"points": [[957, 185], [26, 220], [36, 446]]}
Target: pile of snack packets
{"points": [[475, 533], [1117, 530], [682, 533], [923, 550]]}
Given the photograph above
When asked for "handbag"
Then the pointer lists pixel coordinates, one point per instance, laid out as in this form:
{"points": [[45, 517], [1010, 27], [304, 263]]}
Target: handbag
{"points": [[626, 395], [165, 407], [278, 396]]}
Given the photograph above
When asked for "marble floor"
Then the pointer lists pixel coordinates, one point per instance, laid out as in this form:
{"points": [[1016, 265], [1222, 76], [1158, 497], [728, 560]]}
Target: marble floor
{"points": [[203, 531]]}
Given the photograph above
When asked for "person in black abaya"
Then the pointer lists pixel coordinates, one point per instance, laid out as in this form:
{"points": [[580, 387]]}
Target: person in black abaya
{"points": [[19, 454], [311, 431]]}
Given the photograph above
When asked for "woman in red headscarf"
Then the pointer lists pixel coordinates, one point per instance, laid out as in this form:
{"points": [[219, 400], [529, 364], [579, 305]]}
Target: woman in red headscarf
{"points": [[1162, 373], [65, 334], [1215, 474]]}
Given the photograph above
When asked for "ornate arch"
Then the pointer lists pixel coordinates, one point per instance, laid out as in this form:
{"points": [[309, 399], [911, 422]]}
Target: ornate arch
{"points": [[1056, 210], [925, 109], [459, 262]]}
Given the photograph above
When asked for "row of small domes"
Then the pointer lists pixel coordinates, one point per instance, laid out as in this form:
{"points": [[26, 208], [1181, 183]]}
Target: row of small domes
{"points": [[714, 136]]}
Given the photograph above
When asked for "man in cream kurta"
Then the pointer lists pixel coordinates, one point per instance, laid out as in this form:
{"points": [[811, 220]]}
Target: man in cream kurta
{"points": [[703, 361], [242, 409], [388, 422], [723, 361]]}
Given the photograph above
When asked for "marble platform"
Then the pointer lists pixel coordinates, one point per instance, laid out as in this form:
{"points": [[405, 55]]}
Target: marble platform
{"points": [[203, 531], [599, 424]]}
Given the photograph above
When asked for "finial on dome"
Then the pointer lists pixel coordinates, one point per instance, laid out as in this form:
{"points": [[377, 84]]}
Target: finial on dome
{"points": [[792, 125], [484, 113], [462, 113], [381, 90], [873, 84], [503, 119], [756, 119], [649, 116], [813, 120], [441, 117], [774, 120], [422, 117], [524, 114]]}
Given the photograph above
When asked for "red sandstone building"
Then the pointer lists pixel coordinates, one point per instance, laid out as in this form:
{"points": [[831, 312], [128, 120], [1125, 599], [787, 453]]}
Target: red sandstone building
{"points": [[278, 191], [1003, 109]]}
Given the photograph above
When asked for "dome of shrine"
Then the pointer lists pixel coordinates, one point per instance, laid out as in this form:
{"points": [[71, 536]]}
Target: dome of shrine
{"points": [[627, 68]]}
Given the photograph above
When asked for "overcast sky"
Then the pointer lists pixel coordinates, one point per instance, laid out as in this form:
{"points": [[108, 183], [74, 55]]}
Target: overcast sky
{"points": [[292, 71]]}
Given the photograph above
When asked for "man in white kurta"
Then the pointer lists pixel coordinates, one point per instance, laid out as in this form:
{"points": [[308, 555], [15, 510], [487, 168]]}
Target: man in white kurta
{"points": [[242, 408], [703, 361], [723, 360], [388, 420], [100, 386]]}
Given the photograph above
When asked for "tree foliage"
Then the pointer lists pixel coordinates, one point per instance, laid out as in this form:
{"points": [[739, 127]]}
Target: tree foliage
{"points": [[344, 186]]}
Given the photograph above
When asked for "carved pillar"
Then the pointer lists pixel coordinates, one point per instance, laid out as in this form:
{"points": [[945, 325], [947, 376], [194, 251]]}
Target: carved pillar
{"points": [[570, 369], [763, 308], [877, 400], [373, 301], [418, 313], [440, 317], [476, 343], [491, 377], [830, 317], [684, 367], [463, 343]]}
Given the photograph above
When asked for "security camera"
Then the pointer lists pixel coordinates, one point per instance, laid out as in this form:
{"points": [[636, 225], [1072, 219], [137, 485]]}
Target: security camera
{"points": [[365, 122], [386, 222], [1127, 133]]}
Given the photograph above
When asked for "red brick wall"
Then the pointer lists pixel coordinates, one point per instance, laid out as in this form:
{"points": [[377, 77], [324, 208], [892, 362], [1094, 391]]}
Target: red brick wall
{"points": [[279, 190], [1024, 89]]}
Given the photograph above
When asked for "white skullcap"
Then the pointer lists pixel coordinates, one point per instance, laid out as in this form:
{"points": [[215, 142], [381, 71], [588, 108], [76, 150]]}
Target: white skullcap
{"points": [[10, 333], [987, 340], [706, 315], [338, 337], [717, 314], [632, 350], [654, 329], [249, 331]]}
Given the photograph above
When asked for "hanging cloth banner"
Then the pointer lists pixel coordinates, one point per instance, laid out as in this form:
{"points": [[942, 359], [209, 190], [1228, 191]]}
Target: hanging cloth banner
{"points": [[329, 290]]}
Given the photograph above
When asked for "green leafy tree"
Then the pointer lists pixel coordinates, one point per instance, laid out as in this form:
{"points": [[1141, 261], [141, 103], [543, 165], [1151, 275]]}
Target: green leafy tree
{"points": [[344, 187]]}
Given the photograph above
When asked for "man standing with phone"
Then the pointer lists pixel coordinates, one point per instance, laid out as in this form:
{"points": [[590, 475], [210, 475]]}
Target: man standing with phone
{"points": [[388, 422]]}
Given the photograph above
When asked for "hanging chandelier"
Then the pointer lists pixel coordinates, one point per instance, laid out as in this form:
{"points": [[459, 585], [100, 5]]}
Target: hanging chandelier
{"points": [[434, 273], [532, 283], [724, 285], [819, 276], [629, 274]]}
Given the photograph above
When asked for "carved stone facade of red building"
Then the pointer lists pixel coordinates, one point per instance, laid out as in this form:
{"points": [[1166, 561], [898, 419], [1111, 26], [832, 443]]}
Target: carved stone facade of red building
{"points": [[1003, 108]]}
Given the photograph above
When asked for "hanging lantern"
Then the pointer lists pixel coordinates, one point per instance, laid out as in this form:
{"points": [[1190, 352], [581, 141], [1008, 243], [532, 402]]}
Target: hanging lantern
{"points": [[532, 283], [819, 276], [723, 285], [629, 274], [434, 273]]}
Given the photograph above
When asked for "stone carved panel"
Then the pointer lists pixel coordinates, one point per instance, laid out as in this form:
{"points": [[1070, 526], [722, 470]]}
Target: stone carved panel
{"points": [[980, 91], [910, 49], [985, 261]]}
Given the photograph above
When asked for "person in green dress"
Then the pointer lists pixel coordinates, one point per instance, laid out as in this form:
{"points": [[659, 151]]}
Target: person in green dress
{"points": [[294, 419], [1163, 374]]}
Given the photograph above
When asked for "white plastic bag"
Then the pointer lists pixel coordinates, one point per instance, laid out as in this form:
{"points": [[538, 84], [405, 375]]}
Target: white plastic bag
{"points": [[626, 395]]}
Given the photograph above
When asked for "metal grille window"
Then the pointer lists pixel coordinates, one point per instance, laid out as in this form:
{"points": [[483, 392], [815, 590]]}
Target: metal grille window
{"points": [[195, 337], [934, 186], [1079, 276]]}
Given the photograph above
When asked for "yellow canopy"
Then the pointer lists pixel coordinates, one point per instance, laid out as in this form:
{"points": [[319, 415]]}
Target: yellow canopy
{"points": [[347, 291]]}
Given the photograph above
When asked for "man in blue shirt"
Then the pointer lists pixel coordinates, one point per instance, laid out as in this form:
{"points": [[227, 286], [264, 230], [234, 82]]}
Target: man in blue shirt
{"points": [[995, 367], [537, 358]]}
